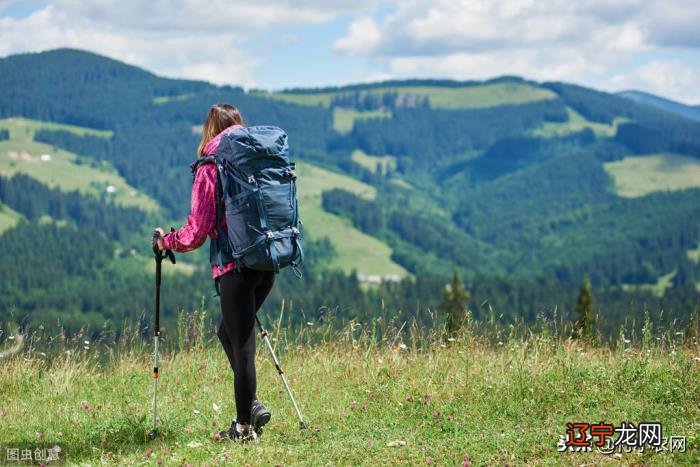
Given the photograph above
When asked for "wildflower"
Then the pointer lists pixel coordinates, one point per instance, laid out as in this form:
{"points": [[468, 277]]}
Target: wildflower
{"points": [[353, 404], [409, 399], [396, 443]]}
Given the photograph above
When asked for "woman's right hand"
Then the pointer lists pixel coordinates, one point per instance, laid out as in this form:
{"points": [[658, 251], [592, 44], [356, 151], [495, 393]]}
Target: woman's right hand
{"points": [[159, 238]]}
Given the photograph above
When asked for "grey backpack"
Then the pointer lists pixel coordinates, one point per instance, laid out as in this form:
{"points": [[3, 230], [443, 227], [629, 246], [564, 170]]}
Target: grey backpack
{"points": [[257, 184]]}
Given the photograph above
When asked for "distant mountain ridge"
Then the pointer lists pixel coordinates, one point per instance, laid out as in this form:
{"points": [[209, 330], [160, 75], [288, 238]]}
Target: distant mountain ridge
{"points": [[687, 111], [505, 178]]}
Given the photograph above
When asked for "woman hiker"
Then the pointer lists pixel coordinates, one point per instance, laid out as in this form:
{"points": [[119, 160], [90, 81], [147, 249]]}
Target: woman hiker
{"points": [[242, 290]]}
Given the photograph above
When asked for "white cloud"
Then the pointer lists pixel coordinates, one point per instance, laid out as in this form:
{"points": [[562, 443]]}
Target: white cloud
{"points": [[669, 78], [221, 16], [363, 35], [185, 38], [196, 55], [595, 42], [586, 42]]}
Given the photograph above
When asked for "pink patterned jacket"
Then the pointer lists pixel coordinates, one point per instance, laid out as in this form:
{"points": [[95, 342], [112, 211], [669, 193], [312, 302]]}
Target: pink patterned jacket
{"points": [[201, 223]]}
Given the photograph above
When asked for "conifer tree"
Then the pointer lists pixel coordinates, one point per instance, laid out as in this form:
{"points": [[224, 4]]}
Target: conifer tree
{"points": [[585, 326], [455, 304]]}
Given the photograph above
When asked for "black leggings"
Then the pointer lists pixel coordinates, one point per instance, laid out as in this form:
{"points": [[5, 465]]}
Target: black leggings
{"points": [[242, 294]]}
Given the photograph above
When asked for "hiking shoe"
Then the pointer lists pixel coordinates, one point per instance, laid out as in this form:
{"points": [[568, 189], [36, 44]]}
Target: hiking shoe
{"points": [[234, 434], [259, 416]]}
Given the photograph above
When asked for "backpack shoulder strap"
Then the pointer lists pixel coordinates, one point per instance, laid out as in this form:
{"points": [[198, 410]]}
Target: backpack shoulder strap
{"points": [[211, 159]]}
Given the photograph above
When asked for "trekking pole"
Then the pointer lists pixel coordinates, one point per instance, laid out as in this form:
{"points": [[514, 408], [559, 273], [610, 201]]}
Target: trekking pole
{"points": [[159, 255], [265, 337]]}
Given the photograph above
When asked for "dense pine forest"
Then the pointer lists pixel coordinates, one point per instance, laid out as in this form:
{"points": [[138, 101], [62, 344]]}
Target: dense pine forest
{"points": [[524, 188]]}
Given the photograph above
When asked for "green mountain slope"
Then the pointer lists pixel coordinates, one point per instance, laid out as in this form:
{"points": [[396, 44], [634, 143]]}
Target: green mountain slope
{"points": [[507, 178], [440, 96], [8, 218], [20, 153]]}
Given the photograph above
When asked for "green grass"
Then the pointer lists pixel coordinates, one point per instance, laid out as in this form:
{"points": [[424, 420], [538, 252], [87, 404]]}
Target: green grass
{"points": [[366, 403], [321, 99], [8, 217], [65, 170], [356, 250], [344, 119], [577, 122], [659, 289], [374, 162], [638, 176], [487, 95], [160, 100], [23, 129], [467, 97], [694, 254]]}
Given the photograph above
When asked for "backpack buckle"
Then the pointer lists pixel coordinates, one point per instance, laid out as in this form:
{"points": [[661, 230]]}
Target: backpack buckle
{"points": [[251, 179], [270, 235], [295, 231]]}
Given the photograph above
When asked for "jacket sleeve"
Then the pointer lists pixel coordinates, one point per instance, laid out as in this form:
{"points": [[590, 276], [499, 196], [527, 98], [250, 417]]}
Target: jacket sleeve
{"points": [[202, 218]]}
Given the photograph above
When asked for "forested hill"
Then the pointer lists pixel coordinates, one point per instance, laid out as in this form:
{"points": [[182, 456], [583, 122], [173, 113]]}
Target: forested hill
{"points": [[525, 187]]}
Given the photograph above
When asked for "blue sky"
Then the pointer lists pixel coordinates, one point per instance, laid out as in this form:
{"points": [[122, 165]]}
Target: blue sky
{"points": [[613, 45]]}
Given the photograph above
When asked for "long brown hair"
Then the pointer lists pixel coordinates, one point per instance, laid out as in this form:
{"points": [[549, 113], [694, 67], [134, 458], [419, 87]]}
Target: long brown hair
{"points": [[219, 117]]}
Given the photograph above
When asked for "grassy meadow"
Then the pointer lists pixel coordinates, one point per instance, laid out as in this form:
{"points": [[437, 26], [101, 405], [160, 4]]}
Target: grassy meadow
{"points": [[355, 249], [382, 396], [8, 217], [640, 175], [462, 97], [344, 119], [63, 169], [575, 123]]}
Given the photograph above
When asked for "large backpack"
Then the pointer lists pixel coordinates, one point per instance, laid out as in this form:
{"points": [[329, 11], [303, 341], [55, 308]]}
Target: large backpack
{"points": [[258, 186]]}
